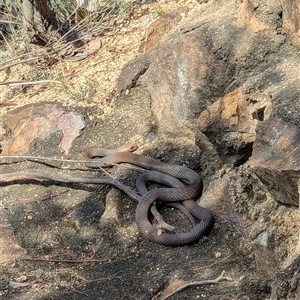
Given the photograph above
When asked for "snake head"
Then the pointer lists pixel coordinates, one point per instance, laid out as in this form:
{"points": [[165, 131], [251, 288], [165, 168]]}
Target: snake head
{"points": [[130, 147]]}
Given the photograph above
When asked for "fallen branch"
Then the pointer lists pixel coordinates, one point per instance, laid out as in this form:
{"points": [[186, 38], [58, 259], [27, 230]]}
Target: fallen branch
{"points": [[48, 161], [212, 264], [4, 104], [41, 176], [41, 159], [24, 82], [14, 63], [222, 277], [73, 290], [73, 261]]}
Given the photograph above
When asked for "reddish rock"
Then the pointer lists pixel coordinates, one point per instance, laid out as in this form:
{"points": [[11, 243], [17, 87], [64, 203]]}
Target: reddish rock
{"points": [[207, 57], [38, 121], [276, 159], [9, 248], [230, 111], [229, 117], [244, 17], [160, 28], [175, 85], [291, 19]]}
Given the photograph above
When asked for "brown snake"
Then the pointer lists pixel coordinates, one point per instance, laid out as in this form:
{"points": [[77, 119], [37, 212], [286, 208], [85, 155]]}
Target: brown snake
{"points": [[182, 193]]}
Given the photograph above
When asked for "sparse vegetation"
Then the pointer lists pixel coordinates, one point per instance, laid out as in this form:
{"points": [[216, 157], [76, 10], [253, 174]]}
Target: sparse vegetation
{"points": [[74, 27], [77, 27], [120, 26]]}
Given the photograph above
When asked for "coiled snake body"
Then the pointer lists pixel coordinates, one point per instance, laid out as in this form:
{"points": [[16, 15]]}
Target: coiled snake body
{"points": [[182, 193]]}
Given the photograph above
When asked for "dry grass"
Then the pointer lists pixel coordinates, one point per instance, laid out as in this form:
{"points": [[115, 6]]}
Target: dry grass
{"points": [[84, 83]]}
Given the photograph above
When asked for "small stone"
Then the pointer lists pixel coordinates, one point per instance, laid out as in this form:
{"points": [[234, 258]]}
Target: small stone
{"points": [[218, 254], [21, 278]]}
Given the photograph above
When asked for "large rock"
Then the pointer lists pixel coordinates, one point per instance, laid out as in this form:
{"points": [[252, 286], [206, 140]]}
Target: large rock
{"points": [[229, 120], [174, 84], [232, 79], [24, 127], [276, 159], [200, 62]]}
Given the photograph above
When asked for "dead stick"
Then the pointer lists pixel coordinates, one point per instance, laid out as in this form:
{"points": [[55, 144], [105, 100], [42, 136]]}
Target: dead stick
{"points": [[19, 62], [41, 176], [75, 291], [53, 196], [222, 277], [44, 160], [73, 261], [212, 264], [15, 83]]}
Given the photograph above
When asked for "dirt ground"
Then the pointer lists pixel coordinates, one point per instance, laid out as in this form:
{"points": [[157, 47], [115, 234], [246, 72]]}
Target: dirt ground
{"points": [[73, 254], [91, 260], [70, 254]]}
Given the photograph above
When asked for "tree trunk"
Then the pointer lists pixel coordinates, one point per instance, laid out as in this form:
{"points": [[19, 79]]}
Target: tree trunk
{"points": [[39, 20]]}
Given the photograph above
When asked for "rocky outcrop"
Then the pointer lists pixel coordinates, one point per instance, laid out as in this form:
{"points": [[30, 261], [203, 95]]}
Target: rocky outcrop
{"points": [[201, 62], [276, 159], [229, 121], [174, 89]]}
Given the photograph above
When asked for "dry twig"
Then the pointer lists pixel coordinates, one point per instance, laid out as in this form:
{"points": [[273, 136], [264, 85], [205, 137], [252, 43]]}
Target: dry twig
{"points": [[41, 176], [226, 259], [222, 277], [24, 82], [47, 161], [74, 290], [73, 261]]}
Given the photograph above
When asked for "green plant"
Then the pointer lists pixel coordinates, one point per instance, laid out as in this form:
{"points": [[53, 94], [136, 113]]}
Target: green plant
{"points": [[159, 11]]}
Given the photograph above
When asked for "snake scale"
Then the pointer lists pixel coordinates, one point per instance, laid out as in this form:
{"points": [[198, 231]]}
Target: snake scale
{"points": [[181, 193]]}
